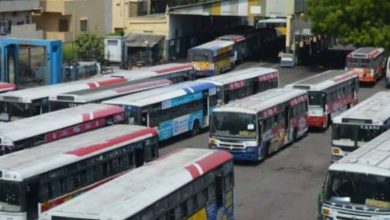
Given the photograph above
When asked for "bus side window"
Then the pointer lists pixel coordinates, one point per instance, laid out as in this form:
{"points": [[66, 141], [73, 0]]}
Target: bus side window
{"points": [[219, 189]]}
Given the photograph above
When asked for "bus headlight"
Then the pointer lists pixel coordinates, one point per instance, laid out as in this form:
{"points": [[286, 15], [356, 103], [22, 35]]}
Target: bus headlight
{"points": [[336, 151], [325, 211], [212, 143]]}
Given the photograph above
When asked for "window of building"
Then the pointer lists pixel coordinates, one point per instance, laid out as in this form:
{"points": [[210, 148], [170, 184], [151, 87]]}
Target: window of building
{"points": [[63, 25], [84, 25]]}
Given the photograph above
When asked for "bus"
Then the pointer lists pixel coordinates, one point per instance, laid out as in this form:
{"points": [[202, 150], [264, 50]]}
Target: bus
{"points": [[254, 127], [242, 83], [360, 124], [172, 110], [212, 58], [193, 184], [368, 63], [240, 46], [357, 186], [6, 87], [28, 132], [35, 101], [37, 179], [71, 99], [330, 93]]}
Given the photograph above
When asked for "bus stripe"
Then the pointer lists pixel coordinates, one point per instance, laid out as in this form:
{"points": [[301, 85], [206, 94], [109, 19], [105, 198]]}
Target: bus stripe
{"points": [[174, 69], [86, 117], [105, 112], [214, 160], [83, 151], [111, 82], [193, 171]]}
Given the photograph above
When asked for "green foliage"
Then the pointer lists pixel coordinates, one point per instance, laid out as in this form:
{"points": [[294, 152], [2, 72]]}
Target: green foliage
{"points": [[69, 52], [117, 33], [357, 22], [90, 47]]}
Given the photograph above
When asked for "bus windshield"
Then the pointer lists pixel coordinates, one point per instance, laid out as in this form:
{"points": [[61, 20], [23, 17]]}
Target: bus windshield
{"points": [[10, 196], [316, 98], [200, 56], [232, 124], [360, 133], [358, 63], [360, 189]]}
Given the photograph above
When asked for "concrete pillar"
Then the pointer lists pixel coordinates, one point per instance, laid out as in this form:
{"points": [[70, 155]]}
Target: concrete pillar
{"points": [[290, 39]]}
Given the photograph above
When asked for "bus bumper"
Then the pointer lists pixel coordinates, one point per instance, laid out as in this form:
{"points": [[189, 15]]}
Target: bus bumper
{"points": [[366, 79], [316, 122], [204, 73], [248, 154]]}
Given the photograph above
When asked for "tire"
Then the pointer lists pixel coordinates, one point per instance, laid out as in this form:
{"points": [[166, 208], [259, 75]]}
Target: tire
{"points": [[195, 129]]}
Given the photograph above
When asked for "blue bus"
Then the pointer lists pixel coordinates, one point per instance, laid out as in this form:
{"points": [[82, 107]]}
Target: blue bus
{"points": [[173, 110]]}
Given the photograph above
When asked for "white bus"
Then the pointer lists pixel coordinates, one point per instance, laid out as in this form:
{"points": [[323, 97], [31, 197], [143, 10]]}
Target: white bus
{"points": [[368, 63], [360, 124], [28, 132], [357, 186], [330, 93], [243, 83], [193, 184], [98, 95], [35, 180], [35, 101], [173, 110], [252, 128]]}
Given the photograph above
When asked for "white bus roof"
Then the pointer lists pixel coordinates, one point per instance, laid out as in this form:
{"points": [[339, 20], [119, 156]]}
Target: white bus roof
{"points": [[239, 75], [146, 98], [52, 121], [93, 95], [154, 71], [213, 45], [372, 158], [375, 109], [37, 160], [4, 87], [36, 93], [131, 193], [324, 80], [366, 52], [261, 101]]}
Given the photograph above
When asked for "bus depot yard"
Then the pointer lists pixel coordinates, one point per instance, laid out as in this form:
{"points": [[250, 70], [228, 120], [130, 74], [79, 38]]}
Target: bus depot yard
{"points": [[273, 122]]}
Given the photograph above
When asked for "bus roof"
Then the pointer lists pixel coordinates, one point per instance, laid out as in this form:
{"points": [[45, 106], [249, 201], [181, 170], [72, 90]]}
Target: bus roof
{"points": [[52, 121], [373, 110], [232, 37], [261, 101], [5, 87], [372, 158], [154, 71], [37, 160], [366, 52], [324, 80], [239, 75], [213, 45], [130, 193], [92, 95], [36, 93], [146, 98]]}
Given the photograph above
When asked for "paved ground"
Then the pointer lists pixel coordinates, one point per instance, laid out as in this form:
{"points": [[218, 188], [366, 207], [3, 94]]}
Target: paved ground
{"points": [[285, 186]]}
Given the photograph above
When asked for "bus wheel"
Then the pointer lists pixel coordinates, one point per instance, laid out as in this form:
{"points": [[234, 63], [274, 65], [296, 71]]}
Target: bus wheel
{"points": [[195, 129]]}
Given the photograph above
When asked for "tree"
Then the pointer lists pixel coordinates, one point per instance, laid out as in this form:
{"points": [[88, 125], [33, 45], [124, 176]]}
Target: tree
{"points": [[90, 47], [357, 22]]}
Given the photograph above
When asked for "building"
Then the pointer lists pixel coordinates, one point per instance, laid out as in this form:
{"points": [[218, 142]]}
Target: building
{"points": [[123, 10], [66, 19], [15, 19]]}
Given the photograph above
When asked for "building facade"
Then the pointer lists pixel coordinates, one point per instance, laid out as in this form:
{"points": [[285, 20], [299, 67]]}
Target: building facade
{"points": [[16, 19], [66, 19]]}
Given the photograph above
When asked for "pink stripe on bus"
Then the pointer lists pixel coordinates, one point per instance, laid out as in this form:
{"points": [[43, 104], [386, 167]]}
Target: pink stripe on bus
{"points": [[175, 68], [83, 151], [108, 111]]}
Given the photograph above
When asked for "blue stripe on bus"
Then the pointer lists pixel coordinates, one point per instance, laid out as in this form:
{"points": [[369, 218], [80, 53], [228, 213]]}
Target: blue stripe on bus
{"points": [[202, 86]]}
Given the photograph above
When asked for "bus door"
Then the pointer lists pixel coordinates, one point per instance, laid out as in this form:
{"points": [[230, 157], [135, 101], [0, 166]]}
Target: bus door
{"points": [[32, 199], [206, 108]]}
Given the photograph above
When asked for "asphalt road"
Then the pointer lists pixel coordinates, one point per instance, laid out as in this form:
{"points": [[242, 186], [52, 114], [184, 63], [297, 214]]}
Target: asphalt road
{"points": [[286, 185]]}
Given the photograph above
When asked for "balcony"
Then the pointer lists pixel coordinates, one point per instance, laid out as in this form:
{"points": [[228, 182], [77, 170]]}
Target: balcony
{"points": [[57, 6], [63, 36], [18, 5]]}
